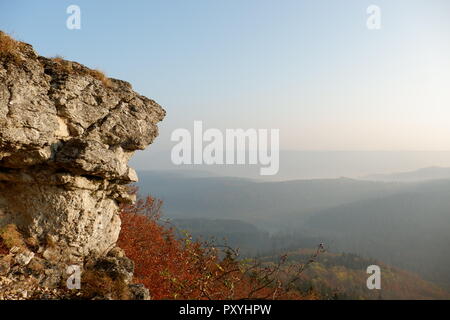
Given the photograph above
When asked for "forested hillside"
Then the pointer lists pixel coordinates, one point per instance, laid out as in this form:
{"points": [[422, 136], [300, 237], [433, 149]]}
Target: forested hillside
{"points": [[410, 230], [401, 224], [343, 276]]}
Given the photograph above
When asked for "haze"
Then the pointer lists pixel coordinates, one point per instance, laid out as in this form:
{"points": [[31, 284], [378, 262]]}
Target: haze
{"points": [[310, 68]]}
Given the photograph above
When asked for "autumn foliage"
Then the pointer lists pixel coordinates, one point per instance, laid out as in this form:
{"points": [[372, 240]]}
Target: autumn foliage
{"points": [[9, 49], [174, 268]]}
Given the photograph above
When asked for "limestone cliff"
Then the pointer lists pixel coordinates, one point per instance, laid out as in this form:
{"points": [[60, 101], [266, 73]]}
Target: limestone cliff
{"points": [[66, 135]]}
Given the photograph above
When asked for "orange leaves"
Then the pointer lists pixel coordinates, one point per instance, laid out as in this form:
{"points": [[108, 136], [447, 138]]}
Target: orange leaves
{"points": [[174, 268], [162, 263]]}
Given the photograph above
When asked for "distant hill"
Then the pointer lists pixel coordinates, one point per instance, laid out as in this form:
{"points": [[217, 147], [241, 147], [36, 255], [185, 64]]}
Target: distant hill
{"points": [[343, 276], [410, 229], [215, 226], [235, 233], [430, 173], [333, 275], [296, 165], [402, 224], [241, 235], [271, 205]]}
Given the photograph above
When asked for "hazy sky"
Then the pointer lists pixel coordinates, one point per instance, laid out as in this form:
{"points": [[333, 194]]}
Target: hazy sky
{"points": [[310, 68]]}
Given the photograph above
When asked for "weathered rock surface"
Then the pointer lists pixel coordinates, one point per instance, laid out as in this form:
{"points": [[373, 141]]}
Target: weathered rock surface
{"points": [[25, 275], [65, 141]]}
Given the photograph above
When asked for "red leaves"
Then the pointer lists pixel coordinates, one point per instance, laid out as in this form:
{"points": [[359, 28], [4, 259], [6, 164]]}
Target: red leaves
{"points": [[174, 268], [162, 263]]}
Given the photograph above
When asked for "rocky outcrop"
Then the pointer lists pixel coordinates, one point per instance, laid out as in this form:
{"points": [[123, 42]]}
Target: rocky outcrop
{"points": [[66, 135], [26, 273]]}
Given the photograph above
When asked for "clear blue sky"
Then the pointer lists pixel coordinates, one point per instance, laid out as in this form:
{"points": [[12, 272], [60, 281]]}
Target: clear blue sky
{"points": [[310, 68]]}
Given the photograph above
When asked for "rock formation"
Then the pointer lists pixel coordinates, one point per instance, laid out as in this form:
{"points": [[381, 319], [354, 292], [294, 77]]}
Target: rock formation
{"points": [[66, 135]]}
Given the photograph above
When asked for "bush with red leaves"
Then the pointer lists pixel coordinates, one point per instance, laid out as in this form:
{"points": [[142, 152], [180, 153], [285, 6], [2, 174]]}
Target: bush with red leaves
{"points": [[173, 268]]}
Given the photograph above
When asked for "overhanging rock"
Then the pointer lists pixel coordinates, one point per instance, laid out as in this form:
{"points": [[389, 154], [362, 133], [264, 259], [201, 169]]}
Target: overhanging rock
{"points": [[66, 135]]}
